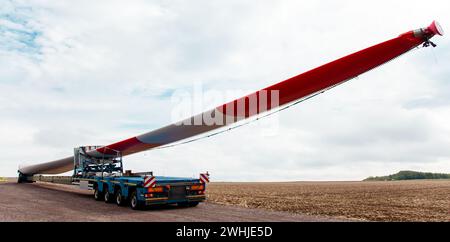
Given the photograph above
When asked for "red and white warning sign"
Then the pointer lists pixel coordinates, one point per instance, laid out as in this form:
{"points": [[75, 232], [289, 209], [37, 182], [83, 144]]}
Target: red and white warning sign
{"points": [[149, 181], [204, 177]]}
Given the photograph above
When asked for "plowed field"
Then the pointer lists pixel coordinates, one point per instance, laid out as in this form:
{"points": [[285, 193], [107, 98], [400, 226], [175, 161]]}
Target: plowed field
{"points": [[373, 201]]}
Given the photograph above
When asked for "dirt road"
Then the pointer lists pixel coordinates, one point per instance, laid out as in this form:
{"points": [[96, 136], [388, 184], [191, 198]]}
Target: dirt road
{"points": [[52, 202]]}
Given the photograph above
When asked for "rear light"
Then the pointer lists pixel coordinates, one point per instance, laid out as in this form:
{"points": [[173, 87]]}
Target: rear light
{"points": [[201, 192], [197, 187], [155, 189], [148, 195]]}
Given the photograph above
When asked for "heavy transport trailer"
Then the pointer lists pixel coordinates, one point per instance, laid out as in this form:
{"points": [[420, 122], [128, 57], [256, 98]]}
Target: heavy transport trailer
{"points": [[111, 184], [130, 190]]}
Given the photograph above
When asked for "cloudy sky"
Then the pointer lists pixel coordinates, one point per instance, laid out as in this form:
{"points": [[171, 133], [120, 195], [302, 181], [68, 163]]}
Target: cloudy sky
{"points": [[94, 72]]}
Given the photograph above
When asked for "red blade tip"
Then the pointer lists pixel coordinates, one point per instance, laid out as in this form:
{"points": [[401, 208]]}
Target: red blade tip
{"points": [[436, 28]]}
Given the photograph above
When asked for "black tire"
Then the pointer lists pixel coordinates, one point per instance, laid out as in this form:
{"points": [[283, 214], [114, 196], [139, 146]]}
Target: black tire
{"points": [[183, 204], [187, 204], [193, 204], [98, 196], [108, 197], [135, 204], [120, 199]]}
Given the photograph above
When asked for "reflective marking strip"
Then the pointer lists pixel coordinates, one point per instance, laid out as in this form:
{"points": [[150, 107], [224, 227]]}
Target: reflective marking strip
{"points": [[155, 199], [204, 178], [149, 181], [196, 196]]}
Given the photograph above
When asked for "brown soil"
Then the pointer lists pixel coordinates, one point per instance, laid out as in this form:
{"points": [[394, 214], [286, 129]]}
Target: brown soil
{"points": [[424, 200]]}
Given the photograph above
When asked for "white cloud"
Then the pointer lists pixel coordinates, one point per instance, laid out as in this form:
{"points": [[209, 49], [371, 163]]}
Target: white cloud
{"points": [[97, 72]]}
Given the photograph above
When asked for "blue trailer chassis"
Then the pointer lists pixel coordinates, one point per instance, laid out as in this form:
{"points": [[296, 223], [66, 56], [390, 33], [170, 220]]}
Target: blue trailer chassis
{"points": [[131, 190]]}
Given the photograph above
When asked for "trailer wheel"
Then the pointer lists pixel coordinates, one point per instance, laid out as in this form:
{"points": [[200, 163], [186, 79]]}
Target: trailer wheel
{"points": [[98, 196], [187, 204], [193, 204], [108, 197], [134, 202], [120, 199]]}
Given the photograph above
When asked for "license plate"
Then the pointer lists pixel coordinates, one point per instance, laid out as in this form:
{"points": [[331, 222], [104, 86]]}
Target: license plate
{"points": [[177, 192]]}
